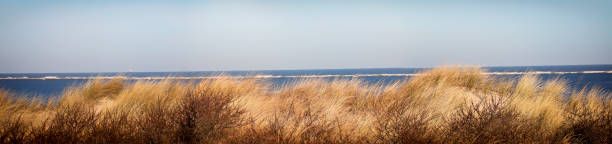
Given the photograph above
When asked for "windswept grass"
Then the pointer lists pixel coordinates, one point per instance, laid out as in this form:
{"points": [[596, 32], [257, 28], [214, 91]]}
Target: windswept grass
{"points": [[442, 105]]}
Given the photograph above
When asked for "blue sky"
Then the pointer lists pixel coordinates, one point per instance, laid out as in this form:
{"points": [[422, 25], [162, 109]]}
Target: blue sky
{"points": [[117, 36]]}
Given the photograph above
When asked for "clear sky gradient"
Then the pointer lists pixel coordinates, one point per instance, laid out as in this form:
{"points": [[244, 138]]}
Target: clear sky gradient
{"points": [[118, 36]]}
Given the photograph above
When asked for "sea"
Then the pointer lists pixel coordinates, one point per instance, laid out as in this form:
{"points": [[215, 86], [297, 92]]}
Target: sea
{"points": [[44, 85]]}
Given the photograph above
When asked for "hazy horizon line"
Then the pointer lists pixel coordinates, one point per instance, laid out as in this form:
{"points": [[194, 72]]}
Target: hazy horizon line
{"points": [[290, 69]]}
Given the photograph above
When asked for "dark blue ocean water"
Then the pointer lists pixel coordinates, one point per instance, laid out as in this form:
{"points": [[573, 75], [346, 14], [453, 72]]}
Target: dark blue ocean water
{"points": [[578, 76]]}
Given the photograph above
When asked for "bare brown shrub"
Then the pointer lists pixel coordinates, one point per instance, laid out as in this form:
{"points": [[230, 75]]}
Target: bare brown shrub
{"points": [[489, 121]]}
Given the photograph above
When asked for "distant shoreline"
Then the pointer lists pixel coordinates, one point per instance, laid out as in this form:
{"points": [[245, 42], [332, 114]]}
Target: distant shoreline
{"points": [[316, 69], [287, 76]]}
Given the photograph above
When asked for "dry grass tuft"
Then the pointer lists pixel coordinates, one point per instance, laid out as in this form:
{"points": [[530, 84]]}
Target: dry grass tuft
{"points": [[442, 105]]}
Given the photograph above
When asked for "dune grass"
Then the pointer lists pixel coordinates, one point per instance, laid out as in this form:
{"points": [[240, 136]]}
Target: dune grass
{"points": [[442, 105]]}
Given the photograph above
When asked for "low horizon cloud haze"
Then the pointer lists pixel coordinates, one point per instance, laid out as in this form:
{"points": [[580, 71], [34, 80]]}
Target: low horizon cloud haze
{"points": [[119, 36]]}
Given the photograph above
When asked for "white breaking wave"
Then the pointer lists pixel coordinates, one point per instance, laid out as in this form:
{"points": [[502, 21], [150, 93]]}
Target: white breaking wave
{"points": [[282, 76]]}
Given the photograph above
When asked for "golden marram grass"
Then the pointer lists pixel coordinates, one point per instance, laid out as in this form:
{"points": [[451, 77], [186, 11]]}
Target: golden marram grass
{"points": [[442, 105]]}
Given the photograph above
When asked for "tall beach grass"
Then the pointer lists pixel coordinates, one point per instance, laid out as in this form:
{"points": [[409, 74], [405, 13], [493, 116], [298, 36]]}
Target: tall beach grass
{"points": [[442, 105]]}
